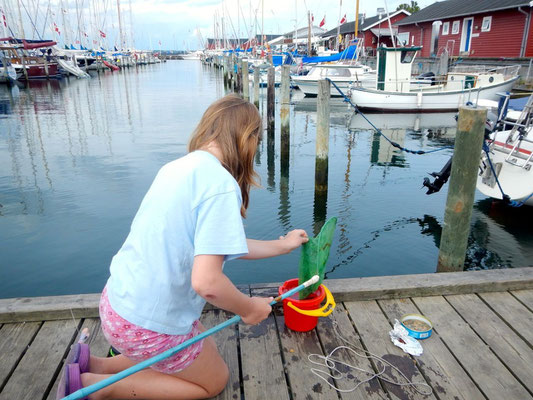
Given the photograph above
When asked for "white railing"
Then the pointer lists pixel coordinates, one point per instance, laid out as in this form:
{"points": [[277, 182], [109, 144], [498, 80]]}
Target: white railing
{"points": [[508, 71]]}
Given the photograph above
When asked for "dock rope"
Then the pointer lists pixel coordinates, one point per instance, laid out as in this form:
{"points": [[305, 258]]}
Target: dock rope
{"points": [[506, 199], [330, 363], [394, 144]]}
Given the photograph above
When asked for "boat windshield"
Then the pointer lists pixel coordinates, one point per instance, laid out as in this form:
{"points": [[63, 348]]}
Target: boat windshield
{"points": [[338, 72]]}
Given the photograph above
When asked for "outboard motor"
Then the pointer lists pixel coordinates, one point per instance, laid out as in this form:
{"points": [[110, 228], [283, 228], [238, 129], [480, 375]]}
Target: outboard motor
{"points": [[440, 178]]}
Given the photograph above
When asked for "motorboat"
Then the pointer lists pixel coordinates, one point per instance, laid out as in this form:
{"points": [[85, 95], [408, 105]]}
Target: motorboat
{"points": [[506, 171], [396, 91], [343, 75]]}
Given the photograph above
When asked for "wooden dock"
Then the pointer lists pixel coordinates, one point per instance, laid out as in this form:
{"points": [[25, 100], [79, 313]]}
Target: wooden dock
{"points": [[481, 348]]}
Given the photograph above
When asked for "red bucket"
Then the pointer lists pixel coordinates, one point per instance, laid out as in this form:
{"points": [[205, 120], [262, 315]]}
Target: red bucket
{"points": [[293, 319]]}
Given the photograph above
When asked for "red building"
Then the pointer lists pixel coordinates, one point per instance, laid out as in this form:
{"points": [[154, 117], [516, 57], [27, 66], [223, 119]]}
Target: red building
{"points": [[473, 28], [374, 31]]}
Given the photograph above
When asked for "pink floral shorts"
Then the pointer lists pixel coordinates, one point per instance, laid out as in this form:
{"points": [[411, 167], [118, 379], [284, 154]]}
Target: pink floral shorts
{"points": [[139, 344]]}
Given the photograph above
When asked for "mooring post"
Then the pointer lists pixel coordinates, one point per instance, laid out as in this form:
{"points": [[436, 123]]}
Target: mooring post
{"points": [[245, 80], [322, 134], [461, 189], [270, 101], [322, 155], [284, 114], [225, 66], [256, 86]]}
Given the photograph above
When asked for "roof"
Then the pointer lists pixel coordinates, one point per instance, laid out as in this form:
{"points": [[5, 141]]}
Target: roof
{"points": [[457, 8], [364, 24]]}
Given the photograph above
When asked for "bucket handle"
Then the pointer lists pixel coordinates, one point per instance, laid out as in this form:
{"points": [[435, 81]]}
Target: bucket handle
{"points": [[320, 312]]}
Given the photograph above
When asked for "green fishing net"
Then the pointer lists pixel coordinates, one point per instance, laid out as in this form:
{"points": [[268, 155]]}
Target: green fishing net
{"points": [[314, 256]]}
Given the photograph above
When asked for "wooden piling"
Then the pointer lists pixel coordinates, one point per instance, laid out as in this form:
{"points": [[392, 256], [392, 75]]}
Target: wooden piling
{"points": [[24, 70], [322, 135], [225, 63], [461, 189], [245, 80], [322, 155], [284, 114], [256, 86], [270, 100], [46, 70]]}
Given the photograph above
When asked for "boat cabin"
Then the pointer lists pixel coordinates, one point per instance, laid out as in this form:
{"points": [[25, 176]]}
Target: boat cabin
{"points": [[394, 68]]}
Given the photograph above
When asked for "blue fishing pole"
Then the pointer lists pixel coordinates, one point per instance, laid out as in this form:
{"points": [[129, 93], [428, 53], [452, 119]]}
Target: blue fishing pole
{"points": [[84, 392]]}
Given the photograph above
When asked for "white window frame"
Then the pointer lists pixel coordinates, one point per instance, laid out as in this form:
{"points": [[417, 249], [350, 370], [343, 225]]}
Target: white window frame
{"points": [[455, 27], [403, 38], [488, 21], [445, 28]]}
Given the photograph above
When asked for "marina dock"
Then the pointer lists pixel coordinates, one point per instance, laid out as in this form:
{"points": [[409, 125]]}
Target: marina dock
{"points": [[481, 346]]}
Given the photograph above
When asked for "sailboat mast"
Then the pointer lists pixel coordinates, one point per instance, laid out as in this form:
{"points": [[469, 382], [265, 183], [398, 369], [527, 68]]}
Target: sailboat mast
{"points": [[262, 25], [356, 21], [339, 26], [4, 18], [309, 33], [21, 26], [121, 35], [132, 44]]}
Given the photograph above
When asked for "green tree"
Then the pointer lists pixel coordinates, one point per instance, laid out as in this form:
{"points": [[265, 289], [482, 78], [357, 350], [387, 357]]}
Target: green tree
{"points": [[412, 8]]}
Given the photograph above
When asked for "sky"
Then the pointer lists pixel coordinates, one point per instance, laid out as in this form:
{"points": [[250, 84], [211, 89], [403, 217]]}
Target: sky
{"points": [[177, 24]]}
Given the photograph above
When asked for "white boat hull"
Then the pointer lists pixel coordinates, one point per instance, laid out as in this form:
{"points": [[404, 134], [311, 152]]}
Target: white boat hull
{"points": [[72, 69], [310, 87], [516, 181], [425, 101]]}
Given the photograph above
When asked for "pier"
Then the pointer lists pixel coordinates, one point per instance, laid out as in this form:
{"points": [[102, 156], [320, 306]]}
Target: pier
{"points": [[481, 346]]}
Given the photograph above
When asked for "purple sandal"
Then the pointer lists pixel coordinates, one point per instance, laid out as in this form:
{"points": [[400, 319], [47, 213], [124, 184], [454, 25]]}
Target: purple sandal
{"points": [[79, 354], [70, 381]]}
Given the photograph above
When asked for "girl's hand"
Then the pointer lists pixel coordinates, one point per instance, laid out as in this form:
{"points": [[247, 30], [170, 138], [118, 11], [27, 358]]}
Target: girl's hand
{"points": [[259, 309], [294, 239]]}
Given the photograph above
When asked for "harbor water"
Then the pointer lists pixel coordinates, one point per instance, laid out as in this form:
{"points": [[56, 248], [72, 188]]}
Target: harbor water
{"points": [[78, 155]]}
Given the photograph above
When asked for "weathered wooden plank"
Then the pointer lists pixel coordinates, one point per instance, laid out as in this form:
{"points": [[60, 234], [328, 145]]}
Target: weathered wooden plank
{"points": [[374, 329], [226, 341], [262, 367], [390, 287], [490, 375], [506, 344], [332, 331], [296, 347], [97, 342], [51, 308], [14, 340], [40, 363], [511, 310], [439, 366], [525, 296]]}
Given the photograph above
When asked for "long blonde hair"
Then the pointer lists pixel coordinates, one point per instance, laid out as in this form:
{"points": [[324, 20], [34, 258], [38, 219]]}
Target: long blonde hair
{"points": [[235, 126]]}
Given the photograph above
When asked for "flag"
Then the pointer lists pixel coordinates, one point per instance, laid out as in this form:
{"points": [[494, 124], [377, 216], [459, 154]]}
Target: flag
{"points": [[56, 29], [77, 42], [312, 18], [343, 20], [102, 34], [323, 22], [85, 34], [160, 43], [4, 20]]}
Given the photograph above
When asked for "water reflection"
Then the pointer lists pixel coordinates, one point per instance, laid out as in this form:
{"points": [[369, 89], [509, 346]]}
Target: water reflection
{"points": [[77, 156], [383, 152]]}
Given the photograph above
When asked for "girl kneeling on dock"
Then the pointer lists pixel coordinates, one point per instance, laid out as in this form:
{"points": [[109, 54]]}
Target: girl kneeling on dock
{"points": [[189, 223]]}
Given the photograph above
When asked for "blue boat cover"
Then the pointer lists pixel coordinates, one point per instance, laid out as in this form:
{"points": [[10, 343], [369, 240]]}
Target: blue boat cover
{"points": [[347, 54]]}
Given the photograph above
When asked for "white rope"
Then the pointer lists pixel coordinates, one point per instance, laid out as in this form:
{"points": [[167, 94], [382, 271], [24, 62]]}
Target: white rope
{"points": [[331, 363]]}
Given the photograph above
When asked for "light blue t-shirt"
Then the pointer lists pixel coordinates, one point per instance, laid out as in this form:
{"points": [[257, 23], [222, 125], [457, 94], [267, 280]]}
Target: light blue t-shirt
{"points": [[192, 208]]}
